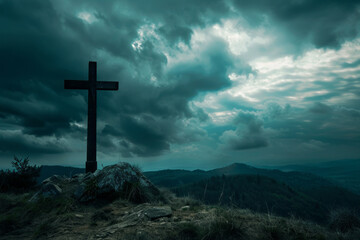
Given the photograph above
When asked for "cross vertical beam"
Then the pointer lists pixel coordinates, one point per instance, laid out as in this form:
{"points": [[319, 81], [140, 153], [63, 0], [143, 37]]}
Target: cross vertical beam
{"points": [[91, 85], [91, 164]]}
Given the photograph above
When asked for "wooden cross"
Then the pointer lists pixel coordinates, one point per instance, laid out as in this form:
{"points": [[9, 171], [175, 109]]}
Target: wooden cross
{"points": [[91, 85]]}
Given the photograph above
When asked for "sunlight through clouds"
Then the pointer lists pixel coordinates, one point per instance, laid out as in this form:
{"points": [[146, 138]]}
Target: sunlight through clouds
{"points": [[87, 17]]}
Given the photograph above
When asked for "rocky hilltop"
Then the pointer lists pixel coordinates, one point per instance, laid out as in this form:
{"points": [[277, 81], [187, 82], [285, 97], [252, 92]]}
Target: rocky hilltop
{"points": [[119, 180], [119, 202]]}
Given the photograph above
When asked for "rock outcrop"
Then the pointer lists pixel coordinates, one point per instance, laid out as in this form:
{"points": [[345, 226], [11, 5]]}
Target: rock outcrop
{"points": [[157, 212], [140, 215], [119, 180], [48, 189]]}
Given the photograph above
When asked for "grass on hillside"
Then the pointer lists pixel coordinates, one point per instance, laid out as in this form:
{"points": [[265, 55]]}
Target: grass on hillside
{"points": [[64, 218]]}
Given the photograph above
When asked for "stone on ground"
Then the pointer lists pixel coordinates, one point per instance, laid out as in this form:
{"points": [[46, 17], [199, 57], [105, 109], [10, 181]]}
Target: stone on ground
{"points": [[47, 190]]}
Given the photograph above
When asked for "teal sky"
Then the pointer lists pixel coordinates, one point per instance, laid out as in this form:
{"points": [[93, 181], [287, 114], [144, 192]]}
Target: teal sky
{"points": [[202, 84]]}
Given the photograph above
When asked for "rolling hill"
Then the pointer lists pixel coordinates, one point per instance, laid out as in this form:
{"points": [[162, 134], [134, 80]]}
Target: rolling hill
{"points": [[344, 172], [302, 194], [175, 178], [258, 193]]}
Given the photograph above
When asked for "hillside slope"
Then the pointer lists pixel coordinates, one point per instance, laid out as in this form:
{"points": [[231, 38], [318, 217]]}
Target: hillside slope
{"points": [[344, 172], [175, 178], [258, 193], [64, 219], [284, 193], [316, 188], [59, 211]]}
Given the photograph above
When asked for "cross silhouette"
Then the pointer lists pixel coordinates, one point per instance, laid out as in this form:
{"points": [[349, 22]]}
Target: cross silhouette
{"points": [[91, 85]]}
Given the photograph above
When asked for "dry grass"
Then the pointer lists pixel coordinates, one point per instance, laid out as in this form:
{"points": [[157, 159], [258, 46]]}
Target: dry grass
{"points": [[344, 220], [66, 219]]}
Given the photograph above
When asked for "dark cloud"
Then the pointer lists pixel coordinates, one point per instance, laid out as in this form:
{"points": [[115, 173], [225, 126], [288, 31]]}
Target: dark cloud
{"points": [[207, 72], [249, 133], [146, 140], [109, 130], [38, 56], [175, 34], [18, 143], [320, 108], [187, 12], [42, 117], [44, 42], [275, 111], [351, 65], [150, 122], [332, 125], [325, 23], [47, 43], [145, 135]]}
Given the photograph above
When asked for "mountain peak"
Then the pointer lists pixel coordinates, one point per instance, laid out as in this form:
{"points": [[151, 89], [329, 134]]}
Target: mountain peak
{"points": [[234, 168]]}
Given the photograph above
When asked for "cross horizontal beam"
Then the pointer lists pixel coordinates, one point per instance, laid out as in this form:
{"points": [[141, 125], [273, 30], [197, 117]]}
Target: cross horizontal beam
{"points": [[100, 85], [76, 84]]}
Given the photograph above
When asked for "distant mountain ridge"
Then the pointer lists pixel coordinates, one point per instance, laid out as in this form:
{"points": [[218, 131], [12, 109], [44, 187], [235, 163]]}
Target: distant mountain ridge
{"points": [[294, 175], [300, 193], [175, 178], [301, 176], [344, 172], [311, 196], [255, 192]]}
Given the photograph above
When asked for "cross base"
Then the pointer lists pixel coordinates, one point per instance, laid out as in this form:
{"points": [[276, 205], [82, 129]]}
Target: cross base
{"points": [[91, 167]]}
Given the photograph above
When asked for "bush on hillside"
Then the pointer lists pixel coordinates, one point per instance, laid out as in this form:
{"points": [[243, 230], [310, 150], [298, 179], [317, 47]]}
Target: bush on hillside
{"points": [[225, 226], [344, 220], [22, 178]]}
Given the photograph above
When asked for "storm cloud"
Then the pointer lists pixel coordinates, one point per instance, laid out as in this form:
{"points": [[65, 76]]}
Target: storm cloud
{"points": [[195, 75], [324, 23], [249, 133], [44, 46]]}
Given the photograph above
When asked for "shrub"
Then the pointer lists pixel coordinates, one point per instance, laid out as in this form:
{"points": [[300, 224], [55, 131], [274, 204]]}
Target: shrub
{"points": [[14, 212], [188, 231], [225, 227], [42, 230], [8, 223], [344, 220], [22, 178], [101, 215], [134, 192], [273, 231]]}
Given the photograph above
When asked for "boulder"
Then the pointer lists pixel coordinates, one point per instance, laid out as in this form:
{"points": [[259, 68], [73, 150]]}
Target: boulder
{"points": [[82, 194], [140, 214], [47, 190], [113, 181], [157, 212], [185, 208], [53, 179]]}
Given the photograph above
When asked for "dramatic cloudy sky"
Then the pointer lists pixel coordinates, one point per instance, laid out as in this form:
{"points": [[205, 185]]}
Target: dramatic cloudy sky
{"points": [[202, 83]]}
